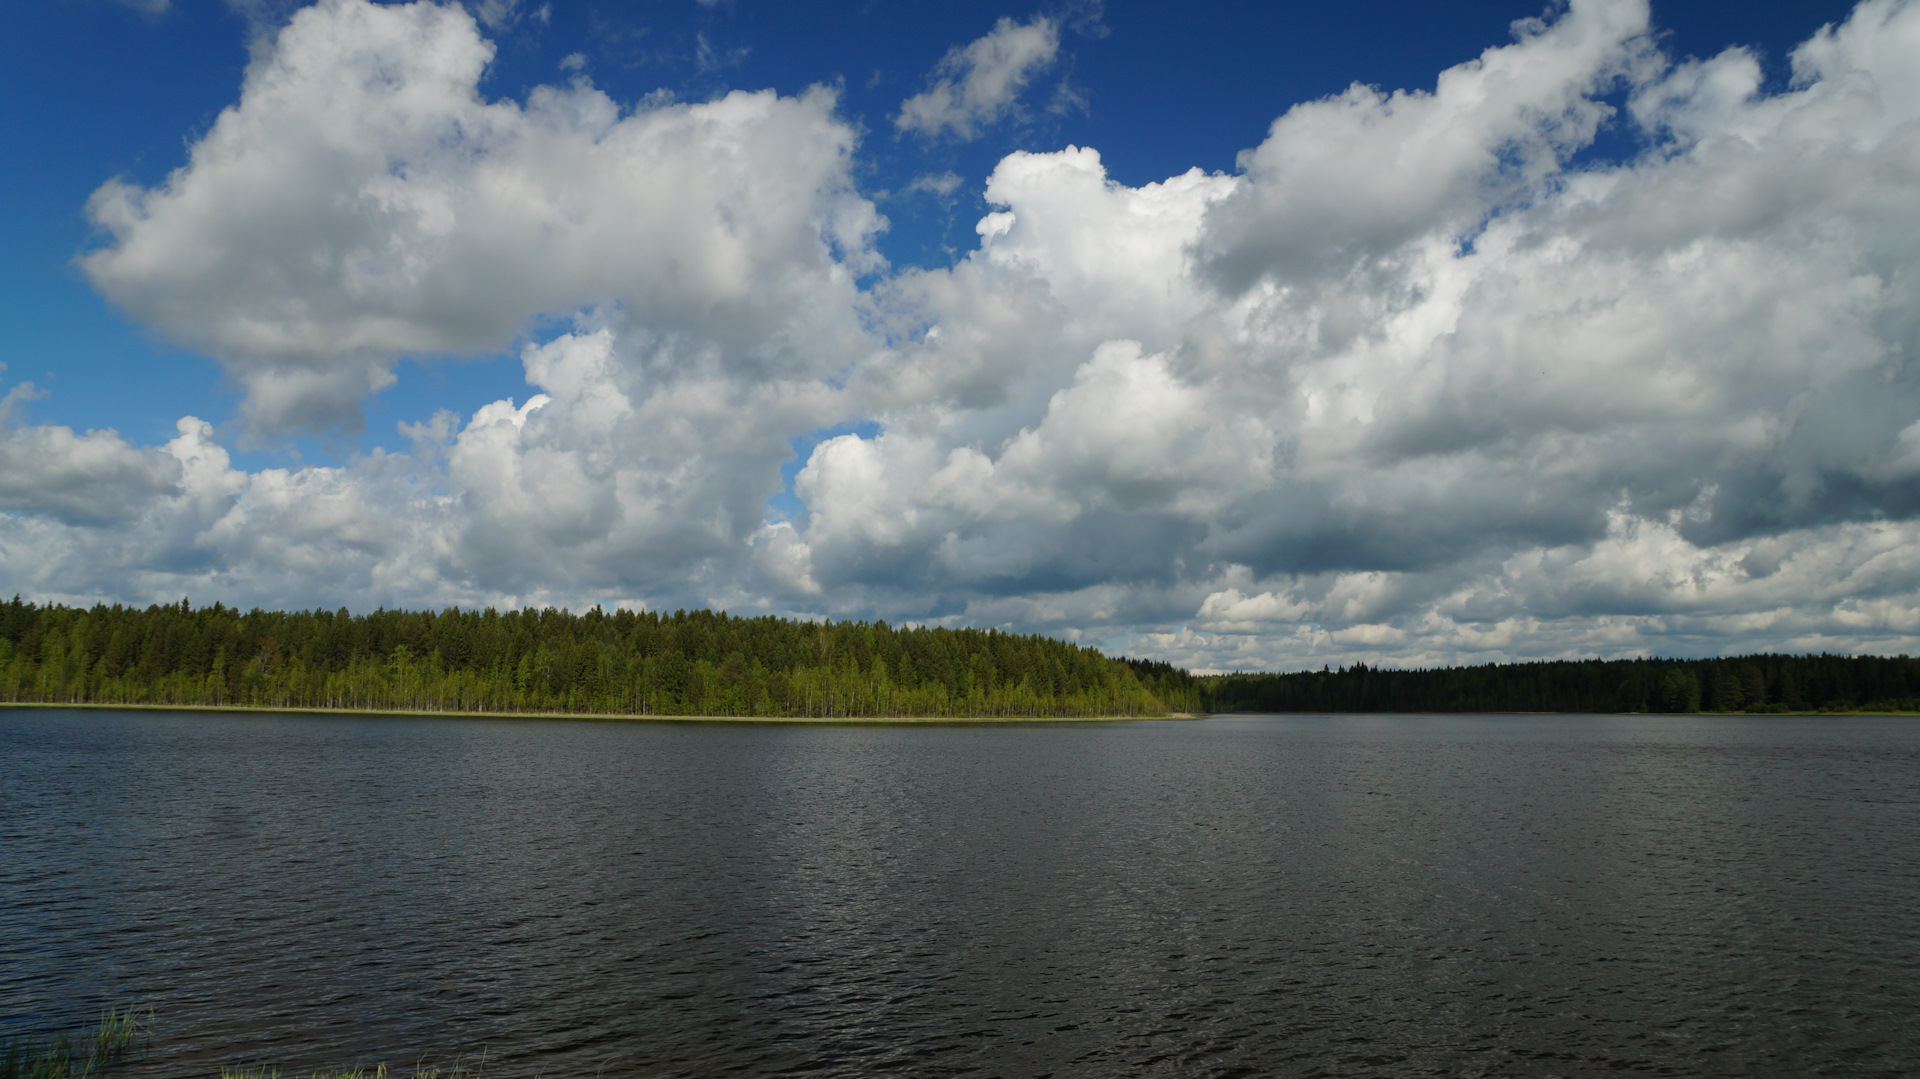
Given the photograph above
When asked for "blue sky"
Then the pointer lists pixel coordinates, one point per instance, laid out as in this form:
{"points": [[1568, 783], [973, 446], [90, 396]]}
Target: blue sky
{"points": [[1297, 509], [104, 89]]}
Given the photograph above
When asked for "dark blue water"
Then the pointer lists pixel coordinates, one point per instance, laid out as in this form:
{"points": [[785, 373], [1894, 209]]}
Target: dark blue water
{"points": [[1260, 895]]}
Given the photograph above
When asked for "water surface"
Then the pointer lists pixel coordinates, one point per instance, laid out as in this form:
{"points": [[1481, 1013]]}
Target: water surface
{"points": [[1247, 895]]}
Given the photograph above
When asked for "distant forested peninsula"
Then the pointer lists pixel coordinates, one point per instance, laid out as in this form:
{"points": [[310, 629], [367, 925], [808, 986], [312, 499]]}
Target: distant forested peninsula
{"points": [[703, 663], [1758, 683], [622, 663]]}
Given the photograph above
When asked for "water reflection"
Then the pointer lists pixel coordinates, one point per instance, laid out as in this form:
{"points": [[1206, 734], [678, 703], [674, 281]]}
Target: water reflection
{"points": [[1255, 895]]}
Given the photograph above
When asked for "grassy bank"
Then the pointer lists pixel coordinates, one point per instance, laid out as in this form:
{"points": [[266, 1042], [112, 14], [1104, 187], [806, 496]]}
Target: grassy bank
{"points": [[87, 1053]]}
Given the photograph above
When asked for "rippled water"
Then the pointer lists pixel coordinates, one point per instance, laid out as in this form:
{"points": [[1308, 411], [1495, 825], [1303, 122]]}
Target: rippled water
{"points": [[1250, 895]]}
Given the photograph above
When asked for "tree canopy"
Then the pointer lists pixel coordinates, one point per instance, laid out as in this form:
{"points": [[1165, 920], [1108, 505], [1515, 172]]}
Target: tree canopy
{"points": [[712, 663], [625, 662], [1757, 683]]}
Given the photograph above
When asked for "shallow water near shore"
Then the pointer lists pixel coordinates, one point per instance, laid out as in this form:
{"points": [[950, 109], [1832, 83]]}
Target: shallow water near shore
{"points": [[1240, 895]]}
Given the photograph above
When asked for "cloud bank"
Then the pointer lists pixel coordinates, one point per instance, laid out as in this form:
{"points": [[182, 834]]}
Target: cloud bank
{"points": [[1411, 384]]}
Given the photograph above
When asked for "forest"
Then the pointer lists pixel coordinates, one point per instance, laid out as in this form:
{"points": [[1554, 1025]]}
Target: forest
{"points": [[1758, 683], [705, 663], [624, 662]]}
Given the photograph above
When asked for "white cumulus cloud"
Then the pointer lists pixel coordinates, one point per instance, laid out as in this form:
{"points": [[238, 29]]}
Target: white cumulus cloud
{"points": [[1409, 385], [980, 83], [364, 202]]}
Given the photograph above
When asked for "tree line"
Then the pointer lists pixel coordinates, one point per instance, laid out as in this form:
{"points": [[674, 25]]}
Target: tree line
{"points": [[624, 662], [711, 663], [1757, 683]]}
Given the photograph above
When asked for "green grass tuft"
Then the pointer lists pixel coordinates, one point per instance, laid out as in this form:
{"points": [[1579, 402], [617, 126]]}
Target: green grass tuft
{"points": [[84, 1055]]}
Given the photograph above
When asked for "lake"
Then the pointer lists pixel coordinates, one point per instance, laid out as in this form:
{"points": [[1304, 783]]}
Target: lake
{"points": [[1240, 895]]}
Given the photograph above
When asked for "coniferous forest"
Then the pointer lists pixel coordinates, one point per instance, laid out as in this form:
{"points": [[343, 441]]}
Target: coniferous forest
{"points": [[1760, 683], [712, 664], [628, 663]]}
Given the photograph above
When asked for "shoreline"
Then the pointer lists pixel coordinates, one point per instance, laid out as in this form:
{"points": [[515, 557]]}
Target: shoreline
{"points": [[1513, 712], [598, 717], [840, 721]]}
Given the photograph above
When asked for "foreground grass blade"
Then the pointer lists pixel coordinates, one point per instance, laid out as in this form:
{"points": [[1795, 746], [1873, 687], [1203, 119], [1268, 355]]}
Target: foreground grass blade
{"points": [[85, 1055]]}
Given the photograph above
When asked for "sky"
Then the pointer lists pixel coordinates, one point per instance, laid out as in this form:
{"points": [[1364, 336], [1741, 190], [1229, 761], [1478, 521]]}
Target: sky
{"points": [[1244, 336]]}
